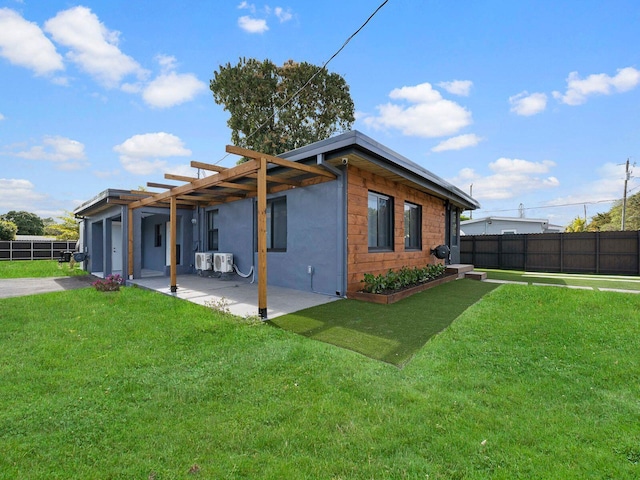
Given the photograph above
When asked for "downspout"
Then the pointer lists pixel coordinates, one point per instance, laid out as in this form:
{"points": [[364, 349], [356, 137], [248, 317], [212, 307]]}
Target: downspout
{"points": [[341, 215]]}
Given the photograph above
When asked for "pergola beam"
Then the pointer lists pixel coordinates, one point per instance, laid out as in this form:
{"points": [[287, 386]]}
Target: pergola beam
{"points": [[160, 185], [279, 161], [207, 166], [180, 178], [206, 182]]}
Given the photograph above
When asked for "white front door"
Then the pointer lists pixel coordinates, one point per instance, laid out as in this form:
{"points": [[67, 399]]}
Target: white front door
{"points": [[116, 246]]}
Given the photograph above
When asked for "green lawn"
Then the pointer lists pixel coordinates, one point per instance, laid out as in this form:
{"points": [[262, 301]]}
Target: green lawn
{"points": [[391, 333], [576, 280], [526, 383], [38, 268]]}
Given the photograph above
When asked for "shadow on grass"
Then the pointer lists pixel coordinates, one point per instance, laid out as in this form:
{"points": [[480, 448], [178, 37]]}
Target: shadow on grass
{"points": [[390, 333]]}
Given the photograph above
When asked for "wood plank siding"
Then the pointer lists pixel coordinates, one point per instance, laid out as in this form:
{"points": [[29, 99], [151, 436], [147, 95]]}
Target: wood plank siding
{"points": [[359, 259]]}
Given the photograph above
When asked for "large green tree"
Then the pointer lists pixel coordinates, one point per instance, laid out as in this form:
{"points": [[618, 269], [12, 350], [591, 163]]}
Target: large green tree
{"points": [[28, 223], [612, 220], [270, 110]]}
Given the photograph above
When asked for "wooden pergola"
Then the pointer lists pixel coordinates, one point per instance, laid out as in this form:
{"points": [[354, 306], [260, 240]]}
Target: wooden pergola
{"points": [[246, 180]]}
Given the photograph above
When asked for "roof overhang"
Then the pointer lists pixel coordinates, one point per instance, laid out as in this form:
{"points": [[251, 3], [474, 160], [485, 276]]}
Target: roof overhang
{"points": [[365, 153]]}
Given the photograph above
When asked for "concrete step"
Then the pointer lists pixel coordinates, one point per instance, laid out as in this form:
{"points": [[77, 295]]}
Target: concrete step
{"points": [[474, 275], [459, 269]]}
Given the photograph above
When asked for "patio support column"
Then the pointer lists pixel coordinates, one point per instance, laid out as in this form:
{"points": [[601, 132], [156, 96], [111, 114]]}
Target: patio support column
{"points": [[262, 239], [172, 239], [130, 243]]}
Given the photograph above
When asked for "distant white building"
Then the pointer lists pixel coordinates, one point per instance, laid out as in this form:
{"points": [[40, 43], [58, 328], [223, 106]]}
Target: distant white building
{"points": [[507, 225]]}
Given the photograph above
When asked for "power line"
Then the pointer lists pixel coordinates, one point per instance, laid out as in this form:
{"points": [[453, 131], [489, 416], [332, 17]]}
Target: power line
{"points": [[594, 202], [324, 65]]}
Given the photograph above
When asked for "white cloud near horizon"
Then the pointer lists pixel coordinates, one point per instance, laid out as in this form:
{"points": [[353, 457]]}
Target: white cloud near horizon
{"points": [[23, 43], [458, 143], [457, 87], [19, 194], [607, 186], [65, 153], [579, 89], [509, 177], [92, 46], [420, 111], [527, 104], [140, 154]]}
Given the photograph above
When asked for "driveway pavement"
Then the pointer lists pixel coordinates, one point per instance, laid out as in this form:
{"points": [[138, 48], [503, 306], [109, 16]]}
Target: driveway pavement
{"points": [[17, 287]]}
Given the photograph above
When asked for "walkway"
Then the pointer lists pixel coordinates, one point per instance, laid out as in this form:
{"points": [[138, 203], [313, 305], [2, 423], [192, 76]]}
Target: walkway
{"points": [[235, 294], [18, 287]]}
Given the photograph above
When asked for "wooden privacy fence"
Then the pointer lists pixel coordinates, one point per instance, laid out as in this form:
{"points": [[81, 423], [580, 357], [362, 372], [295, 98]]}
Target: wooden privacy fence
{"points": [[34, 249], [613, 253]]}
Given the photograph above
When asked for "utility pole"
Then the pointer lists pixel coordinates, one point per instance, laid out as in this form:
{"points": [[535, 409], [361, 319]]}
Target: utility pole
{"points": [[471, 195], [624, 196]]}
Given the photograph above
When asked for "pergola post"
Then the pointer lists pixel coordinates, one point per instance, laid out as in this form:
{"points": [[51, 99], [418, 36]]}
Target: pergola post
{"points": [[172, 239], [130, 243], [262, 239]]}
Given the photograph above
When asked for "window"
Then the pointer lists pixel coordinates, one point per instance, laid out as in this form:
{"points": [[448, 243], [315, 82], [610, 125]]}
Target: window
{"points": [[277, 225], [157, 235], [380, 222], [454, 227], [412, 224], [212, 230]]}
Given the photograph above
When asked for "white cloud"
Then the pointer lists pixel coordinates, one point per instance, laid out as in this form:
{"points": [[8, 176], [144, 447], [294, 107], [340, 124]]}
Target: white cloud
{"points": [[282, 14], [168, 63], [252, 25], [23, 43], [607, 186], [18, 194], [67, 154], [457, 87], [140, 154], [93, 47], [510, 177], [458, 143], [527, 104], [427, 115], [247, 6], [2, 117], [170, 88], [578, 89]]}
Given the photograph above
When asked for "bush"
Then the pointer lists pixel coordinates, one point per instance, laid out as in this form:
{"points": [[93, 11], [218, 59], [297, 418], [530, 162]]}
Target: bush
{"points": [[110, 284], [404, 278], [8, 230]]}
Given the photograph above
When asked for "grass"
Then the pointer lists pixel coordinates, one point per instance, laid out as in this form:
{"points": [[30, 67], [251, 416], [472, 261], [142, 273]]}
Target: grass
{"points": [[38, 269], [572, 279], [526, 383], [391, 333]]}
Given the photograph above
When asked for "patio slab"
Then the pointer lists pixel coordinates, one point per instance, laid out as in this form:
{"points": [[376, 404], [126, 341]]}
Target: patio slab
{"points": [[240, 296]]}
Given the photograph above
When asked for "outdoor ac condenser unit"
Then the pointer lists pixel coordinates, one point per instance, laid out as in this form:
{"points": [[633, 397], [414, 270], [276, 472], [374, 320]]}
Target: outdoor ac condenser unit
{"points": [[203, 261], [223, 262]]}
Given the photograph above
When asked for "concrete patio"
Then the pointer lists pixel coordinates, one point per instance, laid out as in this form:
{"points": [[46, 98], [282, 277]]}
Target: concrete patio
{"points": [[240, 296]]}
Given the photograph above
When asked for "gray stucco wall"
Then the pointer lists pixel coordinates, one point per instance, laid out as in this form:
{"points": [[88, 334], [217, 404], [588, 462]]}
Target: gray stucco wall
{"points": [[314, 238], [98, 239]]}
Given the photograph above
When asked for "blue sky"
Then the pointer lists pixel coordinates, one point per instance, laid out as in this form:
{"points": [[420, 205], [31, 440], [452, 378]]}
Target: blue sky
{"points": [[533, 102]]}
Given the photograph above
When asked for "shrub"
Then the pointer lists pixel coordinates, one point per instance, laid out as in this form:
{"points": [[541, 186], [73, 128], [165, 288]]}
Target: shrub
{"points": [[404, 278], [8, 230], [110, 284]]}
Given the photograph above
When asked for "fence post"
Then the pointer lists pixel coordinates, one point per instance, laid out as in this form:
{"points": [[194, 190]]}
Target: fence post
{"points": [[561, 252], [597, 252]]}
